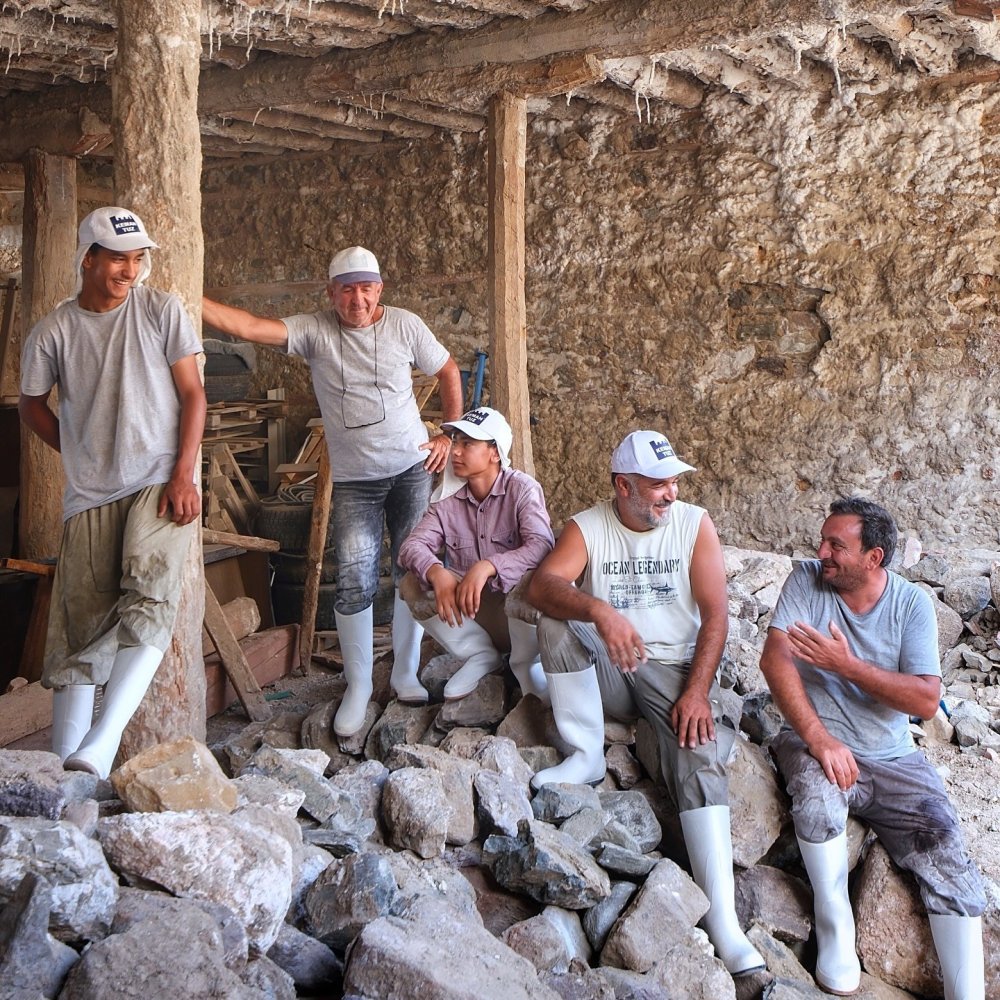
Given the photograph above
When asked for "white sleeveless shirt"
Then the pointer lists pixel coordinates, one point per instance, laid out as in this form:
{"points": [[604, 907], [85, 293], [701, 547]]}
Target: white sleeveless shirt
{"points": [[646, 575]]}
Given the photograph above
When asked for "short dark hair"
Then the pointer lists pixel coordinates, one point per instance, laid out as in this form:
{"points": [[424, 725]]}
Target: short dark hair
{"points": [[878, 529]]}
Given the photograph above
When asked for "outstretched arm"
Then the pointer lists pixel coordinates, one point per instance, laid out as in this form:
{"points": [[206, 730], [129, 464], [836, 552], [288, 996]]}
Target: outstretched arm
{"points": [[35, 413], [244, 325], [181, 495]]}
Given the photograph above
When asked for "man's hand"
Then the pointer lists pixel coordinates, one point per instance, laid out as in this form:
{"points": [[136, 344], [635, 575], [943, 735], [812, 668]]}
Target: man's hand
{"points": [[183, 499], [624, 644], [826, 652], [439, 447], [471, 586], [838, 762], [691, 718], [445, 587]]}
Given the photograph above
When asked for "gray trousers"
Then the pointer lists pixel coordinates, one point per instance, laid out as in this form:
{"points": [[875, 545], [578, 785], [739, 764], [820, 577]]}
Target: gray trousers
{"points": [[695, 777], [905, 803]]}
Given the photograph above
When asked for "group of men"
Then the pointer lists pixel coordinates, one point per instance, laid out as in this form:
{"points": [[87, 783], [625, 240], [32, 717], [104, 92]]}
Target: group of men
{"points": [[625, 615]]}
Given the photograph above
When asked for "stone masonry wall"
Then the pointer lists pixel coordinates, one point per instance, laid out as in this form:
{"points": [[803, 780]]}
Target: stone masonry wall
{"points": [[802, 293]]}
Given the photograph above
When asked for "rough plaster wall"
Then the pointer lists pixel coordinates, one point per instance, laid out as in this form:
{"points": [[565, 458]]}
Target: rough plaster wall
{"points": [[804, 294]]}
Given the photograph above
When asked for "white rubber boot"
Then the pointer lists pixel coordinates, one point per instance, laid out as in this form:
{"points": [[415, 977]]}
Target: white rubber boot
{"points": [[710, 849], [579, 715], [406, 636], [469, 642], [838, 970], [959, 944], [131, 675], [354, 632], [72, 717], [525, 661]]}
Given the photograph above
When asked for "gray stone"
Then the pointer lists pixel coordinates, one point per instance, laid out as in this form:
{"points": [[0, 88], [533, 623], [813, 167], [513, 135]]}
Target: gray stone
{"points": [[629, 985], [620, 861], [348, 895], [434, 954], [776, 901], [436, 673], [317, 734], [497, 753], [416, 810], [579, 983], [282, 730], [555, 803], [485, 707], [268, 979], [357, 743], [364, 782], [625, 769], [600, 918], [84, 891], [399, 723], [498, 908], [546, 865], [666, 908], [971, 723], [761, 719], [308, 863], [313, 966], [31, 784], [758, 806], [691, 971], [530, 724], [618, 835], [501, 802], [260, 790], [346, 830], [227, 859], [301, 769], [950, 626], [418, 879], [932, 569], [550, 941], [781, 960], [585, 826], [633, 811], [967, 594]]}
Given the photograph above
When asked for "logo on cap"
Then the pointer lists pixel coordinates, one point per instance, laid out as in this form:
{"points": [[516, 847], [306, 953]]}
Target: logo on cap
{"points": [[661, 449], [124, 225], [476, 417]]}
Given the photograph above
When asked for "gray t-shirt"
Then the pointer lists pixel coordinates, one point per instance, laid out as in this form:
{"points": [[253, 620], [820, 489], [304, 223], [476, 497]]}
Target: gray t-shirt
{"points": [[363, 382], [119, 415], [898, 634]]}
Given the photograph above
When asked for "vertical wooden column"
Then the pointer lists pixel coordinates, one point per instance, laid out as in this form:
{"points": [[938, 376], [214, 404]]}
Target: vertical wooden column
{"points": [[48, 248], [508, 127], [157, 173]]}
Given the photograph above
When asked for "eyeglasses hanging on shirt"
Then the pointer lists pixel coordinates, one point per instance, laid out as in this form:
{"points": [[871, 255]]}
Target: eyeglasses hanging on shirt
{"points": [[361, 402]]}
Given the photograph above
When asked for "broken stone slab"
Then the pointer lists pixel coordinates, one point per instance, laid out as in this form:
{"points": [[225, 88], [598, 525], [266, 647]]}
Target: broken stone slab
{"points": [[346, 830], [31, 784], [399, 723], [317, 734], [967, 595], [440, 879], [600, 918], [416, 811], [547, 865], [501, 802], [950, 626], [433, 953], [497, 907], [308, 862], [753, 570], [314, 968], [301, 769], [667, 907], [530, 724], [283, 729], [30, 958], [618, 835], [619, 861], [84, 890], [633, 811], [585, 826], [457, 776], [174, 776], [497, 753], [436, 673], [758, 807], [349, 894], [261, 790], [579, 983], [364, 781], [226, 859], [782, 961], [623, 767], [761, 720], [484, 708], [551, 941], [267, 979], [556, 802], [776, 901], [972, 725], [690, 960], [995, 584]]}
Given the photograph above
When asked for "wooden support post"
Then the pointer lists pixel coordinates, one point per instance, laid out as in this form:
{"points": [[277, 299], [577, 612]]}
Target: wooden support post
{"points": [[49, 246], [8, 375], [508, 125], [157, 173], [314, 556]]}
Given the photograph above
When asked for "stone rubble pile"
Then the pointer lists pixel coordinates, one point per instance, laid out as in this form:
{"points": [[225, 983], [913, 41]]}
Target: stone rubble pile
{"points": [[413, 860]]}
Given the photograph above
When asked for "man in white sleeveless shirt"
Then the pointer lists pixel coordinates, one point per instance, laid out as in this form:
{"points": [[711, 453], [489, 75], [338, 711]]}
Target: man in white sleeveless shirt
{"points": [[642, 634]]}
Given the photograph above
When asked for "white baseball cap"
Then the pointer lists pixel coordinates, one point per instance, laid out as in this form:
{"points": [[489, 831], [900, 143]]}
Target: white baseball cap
{"points": [[354, 265], [486, 424], [115, 229], [649, 454]]}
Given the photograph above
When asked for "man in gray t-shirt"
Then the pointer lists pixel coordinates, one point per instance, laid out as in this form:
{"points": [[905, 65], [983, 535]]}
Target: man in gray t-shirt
{"points": [[360, 354], [851, 654], [130, 423]]}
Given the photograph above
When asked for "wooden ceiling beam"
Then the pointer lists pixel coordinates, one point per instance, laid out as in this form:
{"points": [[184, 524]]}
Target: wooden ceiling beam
{"points": [[363, 118], [285, 120], [259, 135], [430, 114]]}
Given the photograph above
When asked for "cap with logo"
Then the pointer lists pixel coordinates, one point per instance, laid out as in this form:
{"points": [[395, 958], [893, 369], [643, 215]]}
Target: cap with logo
{"points": [[649, 454], [486, 424], [355, 265], [115, 229]]}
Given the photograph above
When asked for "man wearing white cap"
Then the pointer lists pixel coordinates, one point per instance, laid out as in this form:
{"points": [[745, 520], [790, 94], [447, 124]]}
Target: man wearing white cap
{"points": [[643, 634], [360, 354], [130, 422], [470, 552]]}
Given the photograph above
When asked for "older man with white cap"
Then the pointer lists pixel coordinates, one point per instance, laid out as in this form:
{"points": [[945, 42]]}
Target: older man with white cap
{"points": [[469, 556], [360, 354], [129, 426], [642, 633]]}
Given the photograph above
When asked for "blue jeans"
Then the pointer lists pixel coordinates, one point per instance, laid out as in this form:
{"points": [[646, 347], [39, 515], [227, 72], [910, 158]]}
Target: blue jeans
{"points": [[359, 510]]}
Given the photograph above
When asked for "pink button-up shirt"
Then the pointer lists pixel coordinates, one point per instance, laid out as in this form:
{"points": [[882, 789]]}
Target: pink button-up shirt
{"points": [[510, 528]]}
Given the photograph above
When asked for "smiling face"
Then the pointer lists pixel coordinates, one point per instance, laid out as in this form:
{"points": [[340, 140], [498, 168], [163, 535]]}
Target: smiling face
{"points": [[644, 503], [357, 304], [107, 277], [846, 564]]}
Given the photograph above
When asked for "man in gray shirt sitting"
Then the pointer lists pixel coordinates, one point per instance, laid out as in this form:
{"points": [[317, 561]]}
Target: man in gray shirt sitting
{"points": [[361, 353], [851, 654]]}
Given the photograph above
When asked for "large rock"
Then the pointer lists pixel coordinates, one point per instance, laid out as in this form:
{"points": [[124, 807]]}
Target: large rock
{"points": [[551, 941], [434, 953], [314, 967], [758, 807], [416, 810], [226, 859], [84, 891], [633, 811], [967, 595], [301, 769], [31, 784], [399, 723], [501, 802], [775, 900]]}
